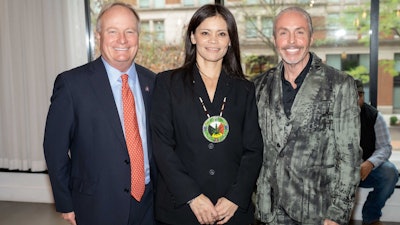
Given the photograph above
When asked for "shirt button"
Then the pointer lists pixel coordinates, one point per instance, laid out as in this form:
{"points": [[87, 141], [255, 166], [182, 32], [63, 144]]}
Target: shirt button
{"points": [[126, 190], [211, 172], [278, 145], [126, 161], [211, 146]]}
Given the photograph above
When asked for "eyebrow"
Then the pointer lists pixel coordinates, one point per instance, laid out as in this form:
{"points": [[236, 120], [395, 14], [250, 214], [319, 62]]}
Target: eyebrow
{"points": [[285, 28], [203, 29]]}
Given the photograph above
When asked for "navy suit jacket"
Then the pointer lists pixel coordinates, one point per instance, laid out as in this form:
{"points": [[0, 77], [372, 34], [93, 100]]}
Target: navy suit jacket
{"points": [[190, 165], [85, 148]]}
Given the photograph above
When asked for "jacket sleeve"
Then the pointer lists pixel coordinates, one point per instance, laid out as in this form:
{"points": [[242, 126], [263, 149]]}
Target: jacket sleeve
{"points": [[348, 152], [252, 156], [171, 168], [59, 126]]}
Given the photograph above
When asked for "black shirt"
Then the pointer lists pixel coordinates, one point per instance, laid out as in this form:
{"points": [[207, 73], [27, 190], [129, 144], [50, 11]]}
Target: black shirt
{"points": [[289, 93]]}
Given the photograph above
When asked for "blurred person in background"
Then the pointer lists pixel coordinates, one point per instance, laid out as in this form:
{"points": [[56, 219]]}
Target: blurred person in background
{"points": [[377, 171]]}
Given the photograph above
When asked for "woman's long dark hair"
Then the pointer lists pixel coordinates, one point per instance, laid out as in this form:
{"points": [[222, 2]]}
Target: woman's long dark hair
{"points": [[231, 61]]}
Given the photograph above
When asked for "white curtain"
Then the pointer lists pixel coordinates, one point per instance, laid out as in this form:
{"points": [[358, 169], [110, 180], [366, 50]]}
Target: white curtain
{"points": [[38, 40]]}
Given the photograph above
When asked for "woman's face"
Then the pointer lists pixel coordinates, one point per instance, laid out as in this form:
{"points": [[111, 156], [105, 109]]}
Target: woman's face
{"points": [[211, 38]]}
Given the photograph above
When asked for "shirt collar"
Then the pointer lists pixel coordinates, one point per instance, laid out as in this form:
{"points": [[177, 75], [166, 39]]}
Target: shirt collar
{"points": [[114, 74]]}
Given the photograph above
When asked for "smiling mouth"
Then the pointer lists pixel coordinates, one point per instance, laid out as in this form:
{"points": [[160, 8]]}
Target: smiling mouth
{"points": [[121, 49], [292, 50], [213, 49]]}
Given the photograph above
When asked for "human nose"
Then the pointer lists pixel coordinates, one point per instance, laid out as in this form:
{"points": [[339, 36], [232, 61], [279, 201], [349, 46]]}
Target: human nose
{"points": [[122, 38], [212, 39], [292, 38]]}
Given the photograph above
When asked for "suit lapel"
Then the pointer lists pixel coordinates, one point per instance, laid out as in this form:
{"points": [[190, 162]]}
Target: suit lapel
{"points": [[279, 116], [223, 88], [146, 86], [102, 89], [146, 82], [222, 91], [307, 94], [274, 120]]}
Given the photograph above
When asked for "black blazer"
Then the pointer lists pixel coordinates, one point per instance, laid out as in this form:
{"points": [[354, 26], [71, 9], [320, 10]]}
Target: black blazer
{"points": [[189, 164], [83, 119]]}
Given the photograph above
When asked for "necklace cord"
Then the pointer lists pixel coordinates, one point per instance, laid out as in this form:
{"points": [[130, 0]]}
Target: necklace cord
{"points": [[205, 108]]}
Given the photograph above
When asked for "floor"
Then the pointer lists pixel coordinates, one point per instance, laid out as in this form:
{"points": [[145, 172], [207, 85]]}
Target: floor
{"points": [[22, 213], [360, 223]]}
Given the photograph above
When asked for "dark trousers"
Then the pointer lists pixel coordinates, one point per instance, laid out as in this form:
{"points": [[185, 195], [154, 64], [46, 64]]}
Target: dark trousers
{"points": [[142, 213]]}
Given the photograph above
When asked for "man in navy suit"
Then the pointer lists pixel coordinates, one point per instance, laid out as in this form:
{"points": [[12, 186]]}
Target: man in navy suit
{"points": [[84, 141]]}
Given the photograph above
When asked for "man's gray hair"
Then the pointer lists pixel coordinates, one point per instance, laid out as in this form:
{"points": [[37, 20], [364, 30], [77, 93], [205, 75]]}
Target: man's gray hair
{"points": [[109, 6], [296, 9]]}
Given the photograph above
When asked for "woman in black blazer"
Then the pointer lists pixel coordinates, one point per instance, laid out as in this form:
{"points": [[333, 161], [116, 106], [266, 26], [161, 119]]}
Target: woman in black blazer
{"points": [[207, 141]]}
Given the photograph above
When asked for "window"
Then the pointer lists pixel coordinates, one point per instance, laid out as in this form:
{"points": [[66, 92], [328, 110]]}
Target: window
{"points": [[334, 60], [203, 2], [333, 28], [145, 4], [252, 2], [266, 23], [397, 62], [159, 3], [188, 2], [196, 2], [304, 1], [340, 28], [396, 94], [153, 30], [159, 30], [396, 81], [251, 27], [145, 30], [257, 25]]}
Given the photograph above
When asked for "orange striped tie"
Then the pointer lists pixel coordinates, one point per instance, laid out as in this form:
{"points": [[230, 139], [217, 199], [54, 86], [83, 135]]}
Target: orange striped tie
{"points": [[133, 141]]}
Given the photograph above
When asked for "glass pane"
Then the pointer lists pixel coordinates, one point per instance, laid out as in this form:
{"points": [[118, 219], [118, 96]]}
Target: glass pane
{"points": [[396, 81], [389, 54], [144, 3], [396, 98], [145, 30], [159, 3], [251, 29], [397, 62], [159, 30], [188, 2], [334, 60], [341, 33], [252, 1], [203, 2], [267, 26]]}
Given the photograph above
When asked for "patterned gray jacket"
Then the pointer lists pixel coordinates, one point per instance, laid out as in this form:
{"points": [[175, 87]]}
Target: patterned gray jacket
{"points": [[311, 165]]}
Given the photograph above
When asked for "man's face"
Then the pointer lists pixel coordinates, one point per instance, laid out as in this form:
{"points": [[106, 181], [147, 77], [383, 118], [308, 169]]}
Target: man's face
{"points": [[293, 38], [119, 37], [360, 98]]}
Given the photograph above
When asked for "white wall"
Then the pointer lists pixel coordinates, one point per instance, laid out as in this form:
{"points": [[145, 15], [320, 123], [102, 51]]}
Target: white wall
{"points": [[25, 187]]}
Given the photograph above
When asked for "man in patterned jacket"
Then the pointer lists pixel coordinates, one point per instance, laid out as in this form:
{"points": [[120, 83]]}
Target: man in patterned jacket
{"points": [[310, 123]]}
